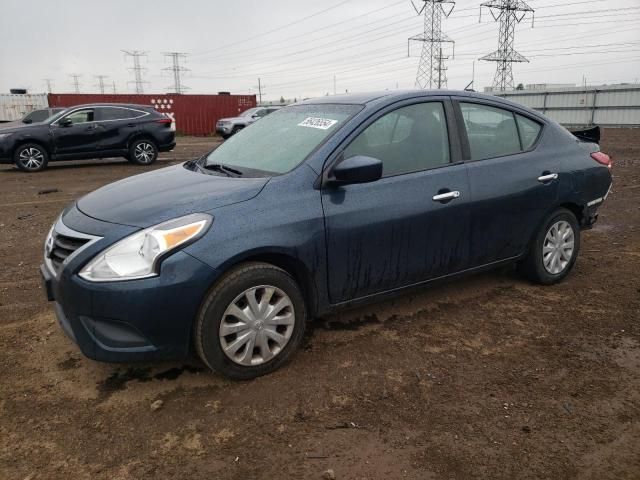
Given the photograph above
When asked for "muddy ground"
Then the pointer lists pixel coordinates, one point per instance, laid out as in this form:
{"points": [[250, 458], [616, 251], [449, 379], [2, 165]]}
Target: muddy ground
{"points": [[488, 377]]}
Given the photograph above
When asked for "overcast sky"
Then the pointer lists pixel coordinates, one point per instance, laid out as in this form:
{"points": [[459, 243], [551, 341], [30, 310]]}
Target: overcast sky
{"points": [[297, 47]]}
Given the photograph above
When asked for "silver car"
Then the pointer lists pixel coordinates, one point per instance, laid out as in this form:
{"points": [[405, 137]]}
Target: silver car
{"points": [[229, 126]]}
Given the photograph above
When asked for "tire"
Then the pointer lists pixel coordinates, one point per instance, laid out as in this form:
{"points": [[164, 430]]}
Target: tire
{"points": [[143, 152], [251, 347], [235, 130], [31, 157], [539, 266]]}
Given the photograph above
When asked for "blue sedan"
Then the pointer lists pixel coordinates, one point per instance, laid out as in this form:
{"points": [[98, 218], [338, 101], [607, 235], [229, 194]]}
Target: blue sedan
{"points": [[322, 204]]}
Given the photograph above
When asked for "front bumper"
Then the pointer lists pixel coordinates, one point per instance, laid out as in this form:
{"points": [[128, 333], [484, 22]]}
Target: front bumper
{"points": [[224, 129], [136, 320]]}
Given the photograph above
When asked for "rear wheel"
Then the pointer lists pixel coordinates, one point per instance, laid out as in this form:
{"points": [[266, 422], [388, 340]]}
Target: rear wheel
{"points": [[554, 250], [31, 157], [251, 322], [143, 152]]}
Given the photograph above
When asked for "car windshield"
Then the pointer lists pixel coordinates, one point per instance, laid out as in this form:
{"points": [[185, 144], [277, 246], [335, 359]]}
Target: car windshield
{"points": [[281, 141], [55, 116], [248, 113], [36, 116]]}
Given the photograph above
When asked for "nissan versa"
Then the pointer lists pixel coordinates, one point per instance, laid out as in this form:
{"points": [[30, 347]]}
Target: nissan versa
{"points": [[322, 204]]}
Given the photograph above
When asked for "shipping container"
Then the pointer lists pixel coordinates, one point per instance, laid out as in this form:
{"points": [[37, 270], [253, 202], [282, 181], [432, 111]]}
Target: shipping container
{"points": [[193, 114], [15, 106]]}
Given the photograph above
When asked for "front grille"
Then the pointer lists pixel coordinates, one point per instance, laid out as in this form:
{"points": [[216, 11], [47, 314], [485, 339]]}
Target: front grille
{"points": [[62, 246]]}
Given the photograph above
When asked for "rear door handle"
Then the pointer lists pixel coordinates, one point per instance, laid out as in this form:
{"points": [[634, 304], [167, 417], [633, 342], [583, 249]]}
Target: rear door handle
{"points": [[131, 124], [548, 177], [444, 197]]}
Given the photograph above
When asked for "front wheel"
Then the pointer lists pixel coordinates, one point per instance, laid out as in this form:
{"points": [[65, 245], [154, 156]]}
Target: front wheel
{"points": [[554, 249], [143, 152], [251, 322], [31, 157]]}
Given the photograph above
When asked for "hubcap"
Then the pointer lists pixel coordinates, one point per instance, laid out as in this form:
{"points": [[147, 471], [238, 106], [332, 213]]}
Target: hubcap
{"points": [[31, 158], [257, 325], [557, 249], [144, 152]]}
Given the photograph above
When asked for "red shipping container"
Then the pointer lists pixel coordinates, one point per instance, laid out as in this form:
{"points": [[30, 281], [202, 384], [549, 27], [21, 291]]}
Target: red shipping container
{"points": [[193, 114]]}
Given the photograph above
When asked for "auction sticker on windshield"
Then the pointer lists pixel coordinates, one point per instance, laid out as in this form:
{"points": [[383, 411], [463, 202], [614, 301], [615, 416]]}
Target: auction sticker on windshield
{"points": [[316, 122]]}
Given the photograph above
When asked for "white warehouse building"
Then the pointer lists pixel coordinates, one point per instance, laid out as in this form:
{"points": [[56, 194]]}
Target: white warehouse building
{"points": [[604, 105]]}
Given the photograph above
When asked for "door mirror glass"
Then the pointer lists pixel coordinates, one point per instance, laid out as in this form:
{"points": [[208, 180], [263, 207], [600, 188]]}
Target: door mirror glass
{"points": [[27, 121], [358, 169], [67, 122]]}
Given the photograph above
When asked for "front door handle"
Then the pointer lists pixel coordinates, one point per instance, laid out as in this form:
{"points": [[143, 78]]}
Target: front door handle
{"points": [[548, 177], [446, 196]]}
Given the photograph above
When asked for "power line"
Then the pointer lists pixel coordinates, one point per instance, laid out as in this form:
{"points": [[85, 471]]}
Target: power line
{"points": [[137, 69], [177, 70], [76, 81], [277, 29], [431, 70]]}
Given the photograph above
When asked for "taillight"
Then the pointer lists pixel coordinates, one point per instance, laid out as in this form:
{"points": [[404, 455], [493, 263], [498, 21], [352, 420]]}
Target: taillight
{"points": [[602, 158], [165, 121]]}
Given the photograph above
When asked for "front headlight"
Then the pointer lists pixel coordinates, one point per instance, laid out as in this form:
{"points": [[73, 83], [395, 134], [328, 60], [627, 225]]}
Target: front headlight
{"points": [[136, 256]]}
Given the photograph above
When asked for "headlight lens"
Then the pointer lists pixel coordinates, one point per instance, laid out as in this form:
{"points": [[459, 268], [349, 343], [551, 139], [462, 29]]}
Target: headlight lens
{"points": [[136, 256]]}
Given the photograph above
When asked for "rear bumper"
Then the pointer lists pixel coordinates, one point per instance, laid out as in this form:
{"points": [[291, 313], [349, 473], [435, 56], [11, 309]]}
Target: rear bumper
{"points": [[167, 147]]}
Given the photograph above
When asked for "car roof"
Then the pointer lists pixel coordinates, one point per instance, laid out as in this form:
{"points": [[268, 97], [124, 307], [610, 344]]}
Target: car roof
{"points": [[390, 96], [121, 105]]}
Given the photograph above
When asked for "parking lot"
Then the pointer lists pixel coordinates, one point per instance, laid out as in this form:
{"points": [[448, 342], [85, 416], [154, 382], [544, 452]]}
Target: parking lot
{"points": [[487, 377]]}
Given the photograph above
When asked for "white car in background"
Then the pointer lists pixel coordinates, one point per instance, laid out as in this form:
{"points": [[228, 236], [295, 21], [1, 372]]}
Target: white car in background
{"points": [[230, 126]]}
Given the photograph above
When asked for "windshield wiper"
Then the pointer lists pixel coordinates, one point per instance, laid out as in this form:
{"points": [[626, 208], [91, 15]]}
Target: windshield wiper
{"points": [[218, 167]]}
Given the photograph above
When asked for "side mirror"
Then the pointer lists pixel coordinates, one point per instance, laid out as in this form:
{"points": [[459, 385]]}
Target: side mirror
{"points": [[358, 169], [255, 115], [27, 121], [67, 122]]}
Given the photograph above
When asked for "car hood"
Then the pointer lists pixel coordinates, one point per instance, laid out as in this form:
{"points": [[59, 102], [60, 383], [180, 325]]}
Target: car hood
{"points": [[235, 119], [18, 126], [154, 197]]}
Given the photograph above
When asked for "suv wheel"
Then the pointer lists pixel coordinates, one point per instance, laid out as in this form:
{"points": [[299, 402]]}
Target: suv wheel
{"points": [[554, 250], [143, 152], [251, 322], [31, 157]]}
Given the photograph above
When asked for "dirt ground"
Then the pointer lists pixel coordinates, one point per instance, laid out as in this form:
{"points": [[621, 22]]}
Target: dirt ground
{"points": [[489, 377]]}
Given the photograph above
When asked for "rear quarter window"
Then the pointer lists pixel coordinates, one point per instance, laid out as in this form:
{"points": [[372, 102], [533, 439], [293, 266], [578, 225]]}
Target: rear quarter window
{"points": [[529, 131]]}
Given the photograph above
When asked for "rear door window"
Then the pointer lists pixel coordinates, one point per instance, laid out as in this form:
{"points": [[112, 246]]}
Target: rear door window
{"points": [[492, 132], [116, 113]]}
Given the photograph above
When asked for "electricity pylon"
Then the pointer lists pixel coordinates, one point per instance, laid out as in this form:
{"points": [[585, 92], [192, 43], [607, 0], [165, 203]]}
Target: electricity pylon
{"points": [[177, 70], [509, 13], [431, 67], [137, 69]]}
